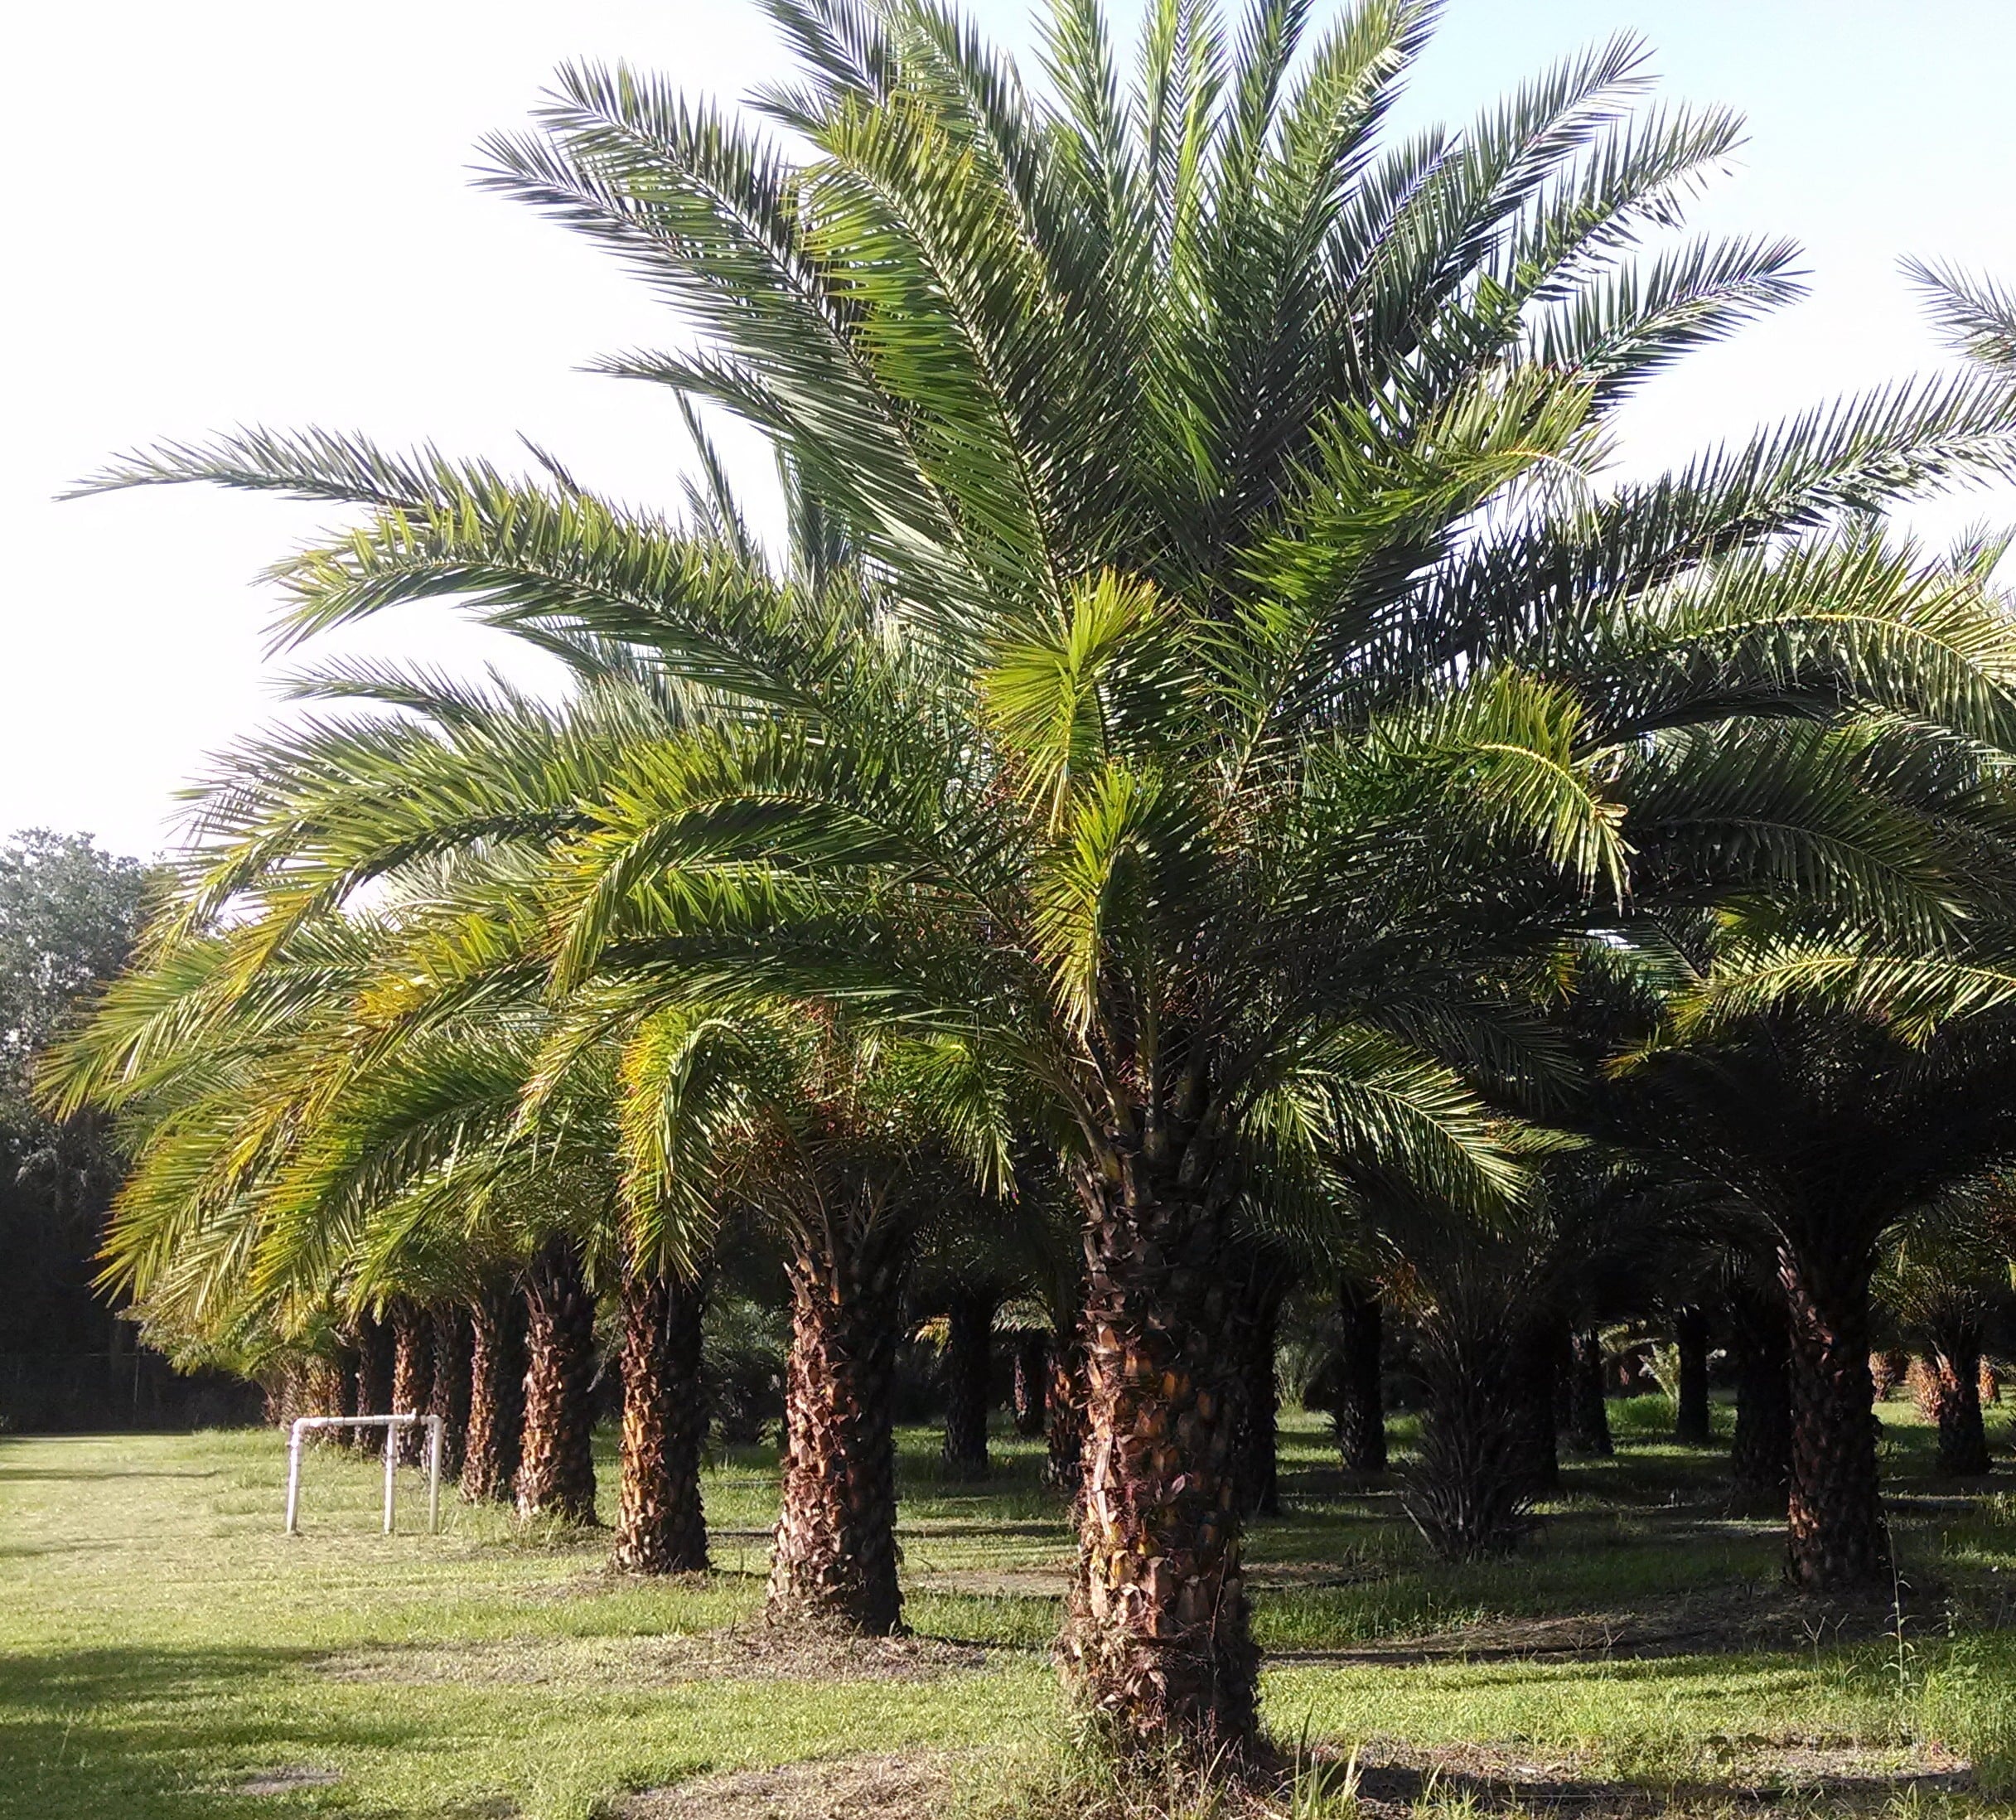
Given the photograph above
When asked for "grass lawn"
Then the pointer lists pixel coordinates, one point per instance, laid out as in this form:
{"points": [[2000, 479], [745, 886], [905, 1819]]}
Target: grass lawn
{"points": [[166, 1652]]}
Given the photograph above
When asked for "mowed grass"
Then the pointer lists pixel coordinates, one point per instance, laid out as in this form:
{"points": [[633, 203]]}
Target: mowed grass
{"points": [[162, 1644]]}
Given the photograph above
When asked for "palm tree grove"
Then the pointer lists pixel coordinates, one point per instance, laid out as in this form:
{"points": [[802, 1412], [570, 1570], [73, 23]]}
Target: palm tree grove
{"points": [[1197, 1063]]}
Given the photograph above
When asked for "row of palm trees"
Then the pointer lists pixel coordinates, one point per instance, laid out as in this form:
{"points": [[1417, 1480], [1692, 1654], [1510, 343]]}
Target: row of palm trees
{"points": [[1214, 740]]}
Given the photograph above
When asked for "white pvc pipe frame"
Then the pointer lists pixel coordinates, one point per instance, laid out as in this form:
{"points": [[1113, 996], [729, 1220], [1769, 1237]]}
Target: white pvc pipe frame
{"points": [[392, 1424]]}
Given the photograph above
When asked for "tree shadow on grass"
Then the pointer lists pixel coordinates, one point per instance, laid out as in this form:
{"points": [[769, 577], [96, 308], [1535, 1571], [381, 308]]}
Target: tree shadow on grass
{"points": [[1389, 1789], [166, 1733]]}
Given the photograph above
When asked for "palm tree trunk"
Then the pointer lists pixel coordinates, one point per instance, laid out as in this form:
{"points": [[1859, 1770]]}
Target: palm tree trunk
{"points": [[344, 1400], [556, 1474], [374, 1376], [1031, 1391], [413, 1374], [1360, 1414], [1470, 1491], [1589, 1411], [834, 1560], [662, 1528], [1537, 1362], [1837, 1536], [496, 1394], [1259, 1458], [285, 1387], [969, 1370], [322, 1392], [1156, 1636], [1691, 1421], [1064, 1435], [1955, 1363], [449, 1398], [1761, 1454]]}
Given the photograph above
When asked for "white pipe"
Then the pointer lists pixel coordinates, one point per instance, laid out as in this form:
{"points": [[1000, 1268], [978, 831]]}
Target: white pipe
{"points": [[293, 1475], [392, 1424], [433, 1475], [392, 1460]]}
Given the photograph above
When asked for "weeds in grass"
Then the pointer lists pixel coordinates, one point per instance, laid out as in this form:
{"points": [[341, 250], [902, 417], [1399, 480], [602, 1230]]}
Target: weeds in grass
{"points": [[1080, 1779]]}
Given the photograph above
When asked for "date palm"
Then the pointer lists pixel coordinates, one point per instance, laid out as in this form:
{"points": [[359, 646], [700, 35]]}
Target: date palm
{"points": [[1251, 682], [1943, 1283]]}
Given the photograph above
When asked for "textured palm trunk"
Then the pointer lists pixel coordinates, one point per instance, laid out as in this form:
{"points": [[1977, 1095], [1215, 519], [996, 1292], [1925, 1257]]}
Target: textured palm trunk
{"points": [[662, 1529], [321, 1392], [1836, 1534], [1470, 1491], [969, 1370], [374, 1376], [833, 1561], [1691, 1421], [1031, 1394], [1761, 1453], [1589, 1411], [1258, 1467], [1955, 1372], [1536, 1364], [344, 1399], [1157, 1638], [556, 1471], [449, 1394], [413, 1375], [1360, 1414], [286, 1390], [496, 1394], [1064, 1433]]}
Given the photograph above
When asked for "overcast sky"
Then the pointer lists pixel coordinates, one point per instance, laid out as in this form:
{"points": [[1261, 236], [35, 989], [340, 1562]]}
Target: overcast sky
{"points": [[235, 211]]}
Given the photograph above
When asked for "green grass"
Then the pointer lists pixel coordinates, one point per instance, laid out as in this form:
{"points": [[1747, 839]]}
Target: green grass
{"points": [[160, 1642]]}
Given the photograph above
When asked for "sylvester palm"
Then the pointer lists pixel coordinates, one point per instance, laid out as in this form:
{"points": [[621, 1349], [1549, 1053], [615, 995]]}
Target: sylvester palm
{"points": [[1945, 1285], [1831, 1132], [1243, 682]]}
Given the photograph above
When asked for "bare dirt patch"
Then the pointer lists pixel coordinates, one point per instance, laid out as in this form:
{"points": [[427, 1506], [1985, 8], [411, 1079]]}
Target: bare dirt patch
{"points": [[750, 1652], [1394, 1778], [1729, 1621], [285, 1779], [1052, 1581], [902, 1786]]}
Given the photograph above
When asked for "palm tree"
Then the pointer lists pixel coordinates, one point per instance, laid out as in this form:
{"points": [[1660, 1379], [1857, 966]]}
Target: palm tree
{"points": [[1255, 676], [1831, 1130], [1942, 1280]]}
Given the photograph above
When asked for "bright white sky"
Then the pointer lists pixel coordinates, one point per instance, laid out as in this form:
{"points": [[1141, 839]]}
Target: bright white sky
{"points": [[234, 211]]}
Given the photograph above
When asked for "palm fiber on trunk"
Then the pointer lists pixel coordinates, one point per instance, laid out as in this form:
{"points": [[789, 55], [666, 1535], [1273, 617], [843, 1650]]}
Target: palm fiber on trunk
{"points": [[1030, 1395], [833, 1561], [496, 1394], [373, 1378], [1064, 1427], [1358, 1408], [556, 1473], [1259, 1468], [1691, 1421], [1589, 1411], [1956, 1385], [413, 1376], [1536, 1364], [1156, 1640], [661, 1529], [969, 1370], [449, 1394], [1837, 1537], [1761, 1454]]}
